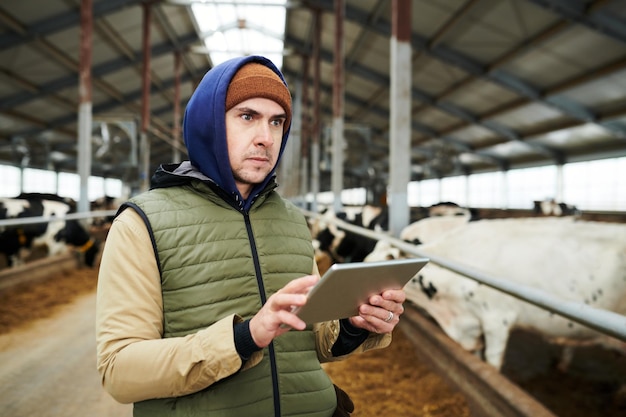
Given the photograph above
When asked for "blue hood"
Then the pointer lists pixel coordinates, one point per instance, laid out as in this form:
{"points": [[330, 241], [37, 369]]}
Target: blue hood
{"points": [[204, 127]]}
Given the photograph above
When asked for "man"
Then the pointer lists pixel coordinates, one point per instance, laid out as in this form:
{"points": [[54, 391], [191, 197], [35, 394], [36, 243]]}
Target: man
{"points": [[199, 275]]}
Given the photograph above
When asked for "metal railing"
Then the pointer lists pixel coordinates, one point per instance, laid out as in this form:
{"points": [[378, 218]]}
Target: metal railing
{"points": [[45, 219], [604, 321]]}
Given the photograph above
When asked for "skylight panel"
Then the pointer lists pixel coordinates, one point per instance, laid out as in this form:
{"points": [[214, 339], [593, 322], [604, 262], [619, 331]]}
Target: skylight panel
{"points": [[239, 28]]}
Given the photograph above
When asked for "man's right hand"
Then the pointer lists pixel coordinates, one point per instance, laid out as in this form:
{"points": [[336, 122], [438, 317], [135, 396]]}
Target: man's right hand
{"points": [[276, 317]]}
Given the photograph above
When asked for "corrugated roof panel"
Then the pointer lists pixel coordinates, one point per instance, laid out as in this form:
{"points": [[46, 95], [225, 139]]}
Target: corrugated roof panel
{"points": [[29, 14], [32, 63], [475, 136], [512, 150], [528, 116], [435, 118], [428, 16], [434, 76], [584, 136], [487, 30], [605, 94], [479, 96], [571, 53], [126, 79]]}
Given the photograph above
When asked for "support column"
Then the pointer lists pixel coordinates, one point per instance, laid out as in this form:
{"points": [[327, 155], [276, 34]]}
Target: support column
{"points": [[176, 128], [85, 104], [504, 189], [306, 134], [144, 141], [338, 108], [290, 160], [400, 118], [315, 147], [560, 185], [467, 190]]}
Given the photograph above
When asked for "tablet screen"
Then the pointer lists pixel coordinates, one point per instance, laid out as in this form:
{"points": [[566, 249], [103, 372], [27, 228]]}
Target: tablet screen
{"points": [[344, 287]]}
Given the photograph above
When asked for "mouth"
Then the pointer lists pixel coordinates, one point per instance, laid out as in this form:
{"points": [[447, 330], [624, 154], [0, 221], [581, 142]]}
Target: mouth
{"points": [[259, 160]]}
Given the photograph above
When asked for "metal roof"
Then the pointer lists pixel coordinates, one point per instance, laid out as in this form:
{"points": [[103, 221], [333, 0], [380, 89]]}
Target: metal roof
{"points": [[497, 84]]}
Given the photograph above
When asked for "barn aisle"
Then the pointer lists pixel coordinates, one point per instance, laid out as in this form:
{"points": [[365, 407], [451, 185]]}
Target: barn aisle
{"points": [[49, 367], [47, 361]]}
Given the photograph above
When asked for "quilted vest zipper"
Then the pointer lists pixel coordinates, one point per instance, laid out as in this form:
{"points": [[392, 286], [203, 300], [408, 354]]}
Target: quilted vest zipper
{"points": [[259, 280]]}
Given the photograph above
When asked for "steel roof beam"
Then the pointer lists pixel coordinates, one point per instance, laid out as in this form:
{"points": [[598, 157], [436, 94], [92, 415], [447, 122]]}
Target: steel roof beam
{"points": [[427, 130], [476, 69], [424, 97], [579, 12], [102, 107], [61, 21], [98, 71], [161, 18]]}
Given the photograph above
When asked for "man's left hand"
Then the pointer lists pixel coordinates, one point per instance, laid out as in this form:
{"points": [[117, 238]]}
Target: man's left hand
{"points": [[382, 313]]}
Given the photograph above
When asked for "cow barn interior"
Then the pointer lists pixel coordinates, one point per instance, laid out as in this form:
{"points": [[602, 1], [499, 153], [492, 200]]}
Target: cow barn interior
{"points": [[513, 109]]}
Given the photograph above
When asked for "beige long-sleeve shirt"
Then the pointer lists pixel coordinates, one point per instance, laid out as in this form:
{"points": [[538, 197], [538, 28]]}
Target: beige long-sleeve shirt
{"points": [[134, 361]]}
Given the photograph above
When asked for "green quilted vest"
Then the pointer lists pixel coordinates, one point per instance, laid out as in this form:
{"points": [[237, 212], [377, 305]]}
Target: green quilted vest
{"points": [[216, 261]]}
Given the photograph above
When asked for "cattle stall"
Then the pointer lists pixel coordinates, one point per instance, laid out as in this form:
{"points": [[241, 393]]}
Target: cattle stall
{"points": [[603, 321]]}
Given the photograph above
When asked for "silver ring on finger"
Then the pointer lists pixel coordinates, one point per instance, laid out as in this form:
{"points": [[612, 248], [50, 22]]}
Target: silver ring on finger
{"points": [[389, 317]]}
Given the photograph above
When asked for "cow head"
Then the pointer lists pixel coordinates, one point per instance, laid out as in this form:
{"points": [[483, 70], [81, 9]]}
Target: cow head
{"points": [[443, 295], [90, 251], [447, 209], [76, 235], [384, 251]]}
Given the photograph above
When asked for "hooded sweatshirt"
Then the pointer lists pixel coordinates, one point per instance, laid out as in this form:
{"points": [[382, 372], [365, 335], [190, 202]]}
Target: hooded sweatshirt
{"points": [[205, 134]]}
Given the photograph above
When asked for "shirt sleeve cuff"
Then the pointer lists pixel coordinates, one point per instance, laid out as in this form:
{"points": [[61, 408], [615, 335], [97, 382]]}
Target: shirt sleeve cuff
{"points": [[243, 340], [349, 339], [350, 330]]}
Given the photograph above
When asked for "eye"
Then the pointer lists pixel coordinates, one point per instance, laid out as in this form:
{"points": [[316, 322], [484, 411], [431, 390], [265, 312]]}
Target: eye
{"points": [[278, 122], [246, 116]]}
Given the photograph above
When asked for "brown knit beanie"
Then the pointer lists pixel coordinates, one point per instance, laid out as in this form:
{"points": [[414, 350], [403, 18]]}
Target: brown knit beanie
{"points": [[256, 80]]}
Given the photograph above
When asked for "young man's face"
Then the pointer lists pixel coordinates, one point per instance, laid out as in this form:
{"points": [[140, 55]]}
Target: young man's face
{"points": [[254, 132]]}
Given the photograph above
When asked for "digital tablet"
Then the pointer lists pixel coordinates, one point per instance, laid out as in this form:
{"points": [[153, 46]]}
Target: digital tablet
{"points": [[344, 287]]}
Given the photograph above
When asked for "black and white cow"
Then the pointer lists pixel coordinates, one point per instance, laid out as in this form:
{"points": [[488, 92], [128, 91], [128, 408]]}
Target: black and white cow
{"points": [[343, 245], [573, 260], [55, 235], [442, 218], [551, 207]]}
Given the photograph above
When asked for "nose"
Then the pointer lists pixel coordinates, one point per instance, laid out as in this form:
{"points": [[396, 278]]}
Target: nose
{"points": [[264, 135]]}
